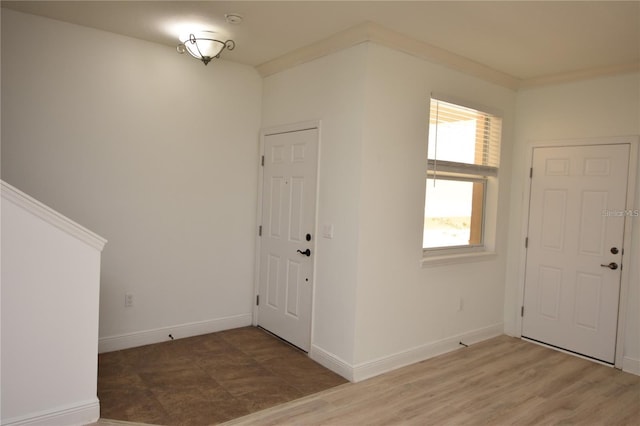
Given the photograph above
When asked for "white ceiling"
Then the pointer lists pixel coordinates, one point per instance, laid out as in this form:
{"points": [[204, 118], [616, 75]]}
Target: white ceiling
{"points": [[525, 39]]}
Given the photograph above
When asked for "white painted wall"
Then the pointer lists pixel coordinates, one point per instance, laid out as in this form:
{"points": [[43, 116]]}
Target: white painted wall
{"points": [[373, 299], [152, 150], [158, 153], [50, 291], [330, 89], [601, 107], [403, 310]]}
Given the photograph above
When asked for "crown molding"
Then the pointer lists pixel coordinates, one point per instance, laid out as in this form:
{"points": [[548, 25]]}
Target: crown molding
{"points": [[372, 32], [398, 41], [571, 76], [342, 40]]}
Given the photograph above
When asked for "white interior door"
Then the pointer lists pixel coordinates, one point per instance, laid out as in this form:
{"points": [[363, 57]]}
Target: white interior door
{"points": [[574, 255], [287, 241]]}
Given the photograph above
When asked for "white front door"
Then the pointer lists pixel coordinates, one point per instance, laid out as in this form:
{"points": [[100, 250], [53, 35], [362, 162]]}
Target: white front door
{"points": [[574, 255], [288, 234]]}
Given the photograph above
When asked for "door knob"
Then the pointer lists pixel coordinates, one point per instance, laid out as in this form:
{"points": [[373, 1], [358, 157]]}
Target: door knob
{"points": [[307, 252], [612, 265]]}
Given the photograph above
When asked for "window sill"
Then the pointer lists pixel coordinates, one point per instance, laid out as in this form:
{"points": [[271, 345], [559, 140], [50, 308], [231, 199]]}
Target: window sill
{"points": [[429, 261]]}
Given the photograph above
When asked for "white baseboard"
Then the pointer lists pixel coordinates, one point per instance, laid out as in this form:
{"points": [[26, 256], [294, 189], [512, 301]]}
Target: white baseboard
{"points": [[332, 362], [81, 414], [631, 365], [382, 365], [147, 337], [373, 368]]}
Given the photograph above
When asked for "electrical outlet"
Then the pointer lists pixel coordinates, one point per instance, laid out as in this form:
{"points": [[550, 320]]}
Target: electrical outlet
{"points": [[128, 300]]}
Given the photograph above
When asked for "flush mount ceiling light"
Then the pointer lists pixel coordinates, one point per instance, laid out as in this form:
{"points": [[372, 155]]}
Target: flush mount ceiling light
{"points": [[204, 45]]}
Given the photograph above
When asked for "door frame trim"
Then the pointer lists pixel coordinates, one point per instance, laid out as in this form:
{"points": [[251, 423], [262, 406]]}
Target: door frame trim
{"points": [[634, 147], [264, 132]]}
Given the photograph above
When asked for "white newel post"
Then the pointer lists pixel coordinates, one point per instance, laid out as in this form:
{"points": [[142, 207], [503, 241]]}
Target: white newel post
{"points": [[50, 288]]}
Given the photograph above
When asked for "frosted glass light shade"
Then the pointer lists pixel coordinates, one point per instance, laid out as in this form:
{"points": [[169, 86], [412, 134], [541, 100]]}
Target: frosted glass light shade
{"points": [[204, 45]]}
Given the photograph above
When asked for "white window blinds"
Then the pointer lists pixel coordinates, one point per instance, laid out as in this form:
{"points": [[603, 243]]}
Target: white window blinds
{"points": [[463, 140]]}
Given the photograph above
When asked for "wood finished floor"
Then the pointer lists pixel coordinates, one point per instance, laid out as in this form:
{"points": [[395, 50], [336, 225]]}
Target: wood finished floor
{"points": [[502, 381], [206, 379]]}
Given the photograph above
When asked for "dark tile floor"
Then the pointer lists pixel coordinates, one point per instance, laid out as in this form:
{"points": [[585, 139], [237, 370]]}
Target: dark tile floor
{"points": [[207, 379]]}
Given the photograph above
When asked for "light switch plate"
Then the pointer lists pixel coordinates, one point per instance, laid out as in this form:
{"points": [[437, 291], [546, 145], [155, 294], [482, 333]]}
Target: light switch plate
{"points": [[327, 231]]}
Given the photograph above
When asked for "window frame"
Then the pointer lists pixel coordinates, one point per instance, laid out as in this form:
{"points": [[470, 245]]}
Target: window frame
{"points": [[464, 178], [449, 170]]}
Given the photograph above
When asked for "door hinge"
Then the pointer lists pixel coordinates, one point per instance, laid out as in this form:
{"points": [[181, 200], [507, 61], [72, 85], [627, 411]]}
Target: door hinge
{"points": [[257, 300], [262, 161], [526, 242], [522, 311], [531, 172], [260, 231]]}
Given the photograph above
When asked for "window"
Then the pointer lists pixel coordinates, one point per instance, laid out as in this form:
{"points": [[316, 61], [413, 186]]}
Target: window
{"points": [[462, 161]]}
